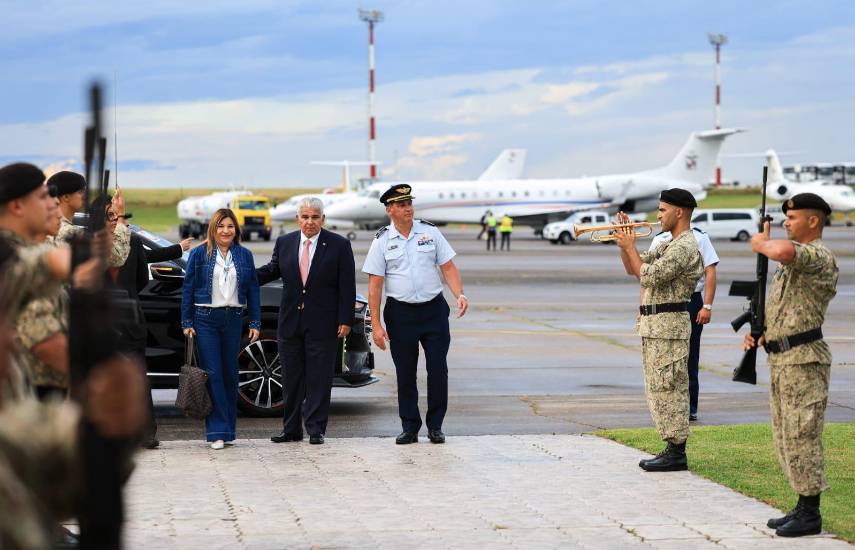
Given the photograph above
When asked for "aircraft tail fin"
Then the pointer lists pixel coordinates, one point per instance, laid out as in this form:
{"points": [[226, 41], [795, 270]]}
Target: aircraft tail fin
{"points": [[776, 173], [509, 165], [697, 159]]}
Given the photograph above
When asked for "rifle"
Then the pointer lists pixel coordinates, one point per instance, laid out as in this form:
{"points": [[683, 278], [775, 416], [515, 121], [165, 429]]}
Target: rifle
{"points": [[755, 315], [92, 340]]}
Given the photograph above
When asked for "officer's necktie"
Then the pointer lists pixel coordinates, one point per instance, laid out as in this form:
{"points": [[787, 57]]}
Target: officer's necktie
{"points": [[304, 262]]}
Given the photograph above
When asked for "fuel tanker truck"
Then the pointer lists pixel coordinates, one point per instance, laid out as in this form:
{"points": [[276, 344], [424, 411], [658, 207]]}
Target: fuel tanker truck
{"points": [[252, 211]]}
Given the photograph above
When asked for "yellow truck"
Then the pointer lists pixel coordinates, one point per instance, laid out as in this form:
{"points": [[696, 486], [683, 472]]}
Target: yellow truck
{"points": [[252, 211]]}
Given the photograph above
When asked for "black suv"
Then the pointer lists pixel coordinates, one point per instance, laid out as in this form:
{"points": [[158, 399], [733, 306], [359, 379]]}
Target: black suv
{"points": [[260, 385]]}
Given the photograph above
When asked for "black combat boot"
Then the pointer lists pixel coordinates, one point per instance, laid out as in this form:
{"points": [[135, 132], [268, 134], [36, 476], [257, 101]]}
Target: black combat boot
{"points": [[644, 461], [774, 523], [674, 459], [806, 520]]}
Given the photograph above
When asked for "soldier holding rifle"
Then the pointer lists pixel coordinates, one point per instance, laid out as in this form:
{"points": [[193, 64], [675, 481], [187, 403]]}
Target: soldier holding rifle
{"points": [[668, 275], [799, 359]]}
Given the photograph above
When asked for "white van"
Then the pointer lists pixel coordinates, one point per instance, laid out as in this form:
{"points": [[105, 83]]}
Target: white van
{"points": [[737, 224], [562, 232]]}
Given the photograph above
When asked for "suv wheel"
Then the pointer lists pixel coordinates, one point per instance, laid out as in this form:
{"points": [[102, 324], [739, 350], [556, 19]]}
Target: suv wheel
{"points": [[742, 236], [565, 237], [259, 379]]}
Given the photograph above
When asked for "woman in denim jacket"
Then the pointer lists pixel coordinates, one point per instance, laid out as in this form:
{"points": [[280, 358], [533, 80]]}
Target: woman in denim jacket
{"points": [[218, 283]]}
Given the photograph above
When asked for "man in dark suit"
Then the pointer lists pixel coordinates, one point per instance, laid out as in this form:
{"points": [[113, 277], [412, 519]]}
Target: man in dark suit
{"points": [[318, 276]]}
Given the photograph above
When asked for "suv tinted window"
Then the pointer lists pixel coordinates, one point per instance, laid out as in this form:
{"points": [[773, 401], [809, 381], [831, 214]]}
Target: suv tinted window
{"points": [[700, 218], [727, 216]]}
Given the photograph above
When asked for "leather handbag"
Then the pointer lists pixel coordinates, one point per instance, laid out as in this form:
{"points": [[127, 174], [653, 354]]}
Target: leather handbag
{"points": [[193, 397]]}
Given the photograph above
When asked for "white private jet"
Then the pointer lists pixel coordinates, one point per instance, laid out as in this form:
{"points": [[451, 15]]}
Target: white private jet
{"points": [[508, 165], [841, 198], [536, 202]]}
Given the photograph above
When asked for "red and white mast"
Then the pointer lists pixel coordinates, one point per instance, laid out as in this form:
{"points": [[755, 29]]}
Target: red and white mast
{"points": [[717, 40], [371, 17]]}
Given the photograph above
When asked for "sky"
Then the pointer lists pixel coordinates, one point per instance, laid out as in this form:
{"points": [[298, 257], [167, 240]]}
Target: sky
{"points": [[232, 94]]}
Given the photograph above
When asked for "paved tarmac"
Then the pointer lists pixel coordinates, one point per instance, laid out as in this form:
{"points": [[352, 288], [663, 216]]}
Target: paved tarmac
{"points": [[549, 347], [547, 351], [524, 492]]}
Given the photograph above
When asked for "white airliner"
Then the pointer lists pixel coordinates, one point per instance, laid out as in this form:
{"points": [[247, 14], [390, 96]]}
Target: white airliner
{"points": [[841, 198], [508, 165], [536, 202]]}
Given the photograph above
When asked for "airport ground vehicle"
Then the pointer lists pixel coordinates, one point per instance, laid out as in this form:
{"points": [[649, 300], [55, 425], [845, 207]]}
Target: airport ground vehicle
{"points": [[252, 211], [260, 389], [562, 232], [737, 224]]}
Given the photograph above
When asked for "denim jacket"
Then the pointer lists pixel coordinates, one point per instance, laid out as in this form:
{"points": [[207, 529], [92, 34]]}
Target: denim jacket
{"points": [[199, 281]]}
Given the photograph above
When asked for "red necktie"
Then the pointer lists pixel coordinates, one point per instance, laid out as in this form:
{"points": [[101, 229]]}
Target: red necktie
{"points": [[304, 262]]}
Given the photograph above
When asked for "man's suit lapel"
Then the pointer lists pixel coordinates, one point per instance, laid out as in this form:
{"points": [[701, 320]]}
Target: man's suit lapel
{"points": [[292, 258]]}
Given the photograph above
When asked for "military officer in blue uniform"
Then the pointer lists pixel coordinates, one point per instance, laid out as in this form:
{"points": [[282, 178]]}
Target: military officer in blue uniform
{"points": [[406, 258]]}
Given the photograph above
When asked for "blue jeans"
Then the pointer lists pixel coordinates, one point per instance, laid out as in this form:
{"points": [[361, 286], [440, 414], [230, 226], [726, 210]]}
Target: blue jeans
{"points": [[218, 343]]}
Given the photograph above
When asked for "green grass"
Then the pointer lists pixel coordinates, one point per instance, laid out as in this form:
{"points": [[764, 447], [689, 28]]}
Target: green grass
{"points": [[743, 458]]}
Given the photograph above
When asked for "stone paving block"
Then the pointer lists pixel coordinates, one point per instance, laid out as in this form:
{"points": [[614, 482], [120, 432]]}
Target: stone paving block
{"points": [[662, 532], [718, 531], [604, 538], [481, 492], [683, 544]]}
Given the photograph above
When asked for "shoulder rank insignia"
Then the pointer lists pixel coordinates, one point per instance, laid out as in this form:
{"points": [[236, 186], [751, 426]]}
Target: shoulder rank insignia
{"points": [[382, 230], [428, 223], [701, 231]]}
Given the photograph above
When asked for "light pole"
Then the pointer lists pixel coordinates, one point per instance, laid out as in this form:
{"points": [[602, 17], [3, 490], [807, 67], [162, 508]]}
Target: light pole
{"points": [[371, 17], [718, 40]]}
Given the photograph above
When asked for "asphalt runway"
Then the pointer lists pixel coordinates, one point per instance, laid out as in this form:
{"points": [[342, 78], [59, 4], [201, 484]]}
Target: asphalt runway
{"points": [[549, 347]]}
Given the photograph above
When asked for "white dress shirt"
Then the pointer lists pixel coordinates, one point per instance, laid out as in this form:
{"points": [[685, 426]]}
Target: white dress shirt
{"points": [[224, 284]]}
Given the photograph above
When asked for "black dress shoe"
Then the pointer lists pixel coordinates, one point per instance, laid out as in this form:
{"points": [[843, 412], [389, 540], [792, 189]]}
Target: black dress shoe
{"points": [[436, 436], [316, 439], [673, 460], [286, 437], [693, 417], [152, 443], [407, 437]]}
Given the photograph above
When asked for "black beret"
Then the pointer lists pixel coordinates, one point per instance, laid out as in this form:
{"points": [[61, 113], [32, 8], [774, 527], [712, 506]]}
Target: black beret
{"points": [[19, 179], [396, 193], [67, 182], [678, 197], [806, 201]]}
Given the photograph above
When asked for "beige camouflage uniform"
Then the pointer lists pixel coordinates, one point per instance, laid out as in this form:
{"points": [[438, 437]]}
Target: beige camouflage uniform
{"points": [[25, 278], [40, 319], [121, 240], [669, 274], [798, 299]]}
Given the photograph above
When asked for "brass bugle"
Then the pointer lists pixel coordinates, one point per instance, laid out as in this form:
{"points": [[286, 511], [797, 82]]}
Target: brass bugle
{"points": [[645, 227]]}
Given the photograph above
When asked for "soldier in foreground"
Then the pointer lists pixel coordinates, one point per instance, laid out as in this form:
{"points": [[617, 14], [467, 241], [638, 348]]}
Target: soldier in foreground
{"points": [[69, 187], [799, 359], [668, 275]]}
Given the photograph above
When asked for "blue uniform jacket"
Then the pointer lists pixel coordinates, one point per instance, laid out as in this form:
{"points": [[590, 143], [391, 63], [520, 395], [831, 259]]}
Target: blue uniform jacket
{"points": [[199, 280]]}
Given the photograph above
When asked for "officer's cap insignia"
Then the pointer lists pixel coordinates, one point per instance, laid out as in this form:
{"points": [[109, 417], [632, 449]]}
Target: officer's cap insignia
{"points": [[790, 203], [397, 193]]}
